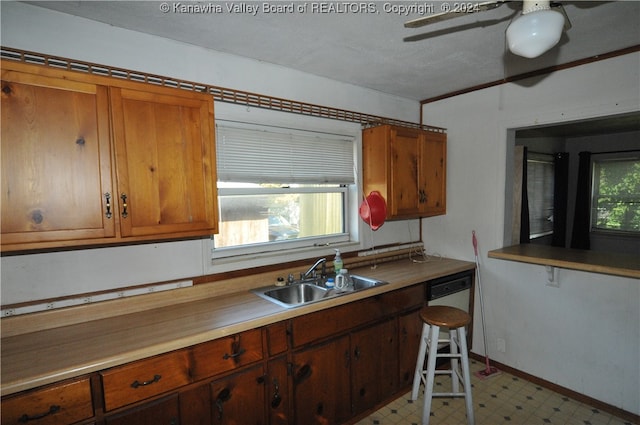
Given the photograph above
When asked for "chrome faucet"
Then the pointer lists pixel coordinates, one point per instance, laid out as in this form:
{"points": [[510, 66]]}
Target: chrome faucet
{"points": [[312, 269]]}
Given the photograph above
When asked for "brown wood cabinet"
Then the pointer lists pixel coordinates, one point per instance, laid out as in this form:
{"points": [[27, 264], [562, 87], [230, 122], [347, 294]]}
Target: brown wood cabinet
{"points": [[321, 383], [347, 359], [240, 398], [408, 167], [165, 411], [92, 160], [329, 366], [374, 352], [165, 163], [56, 160]]}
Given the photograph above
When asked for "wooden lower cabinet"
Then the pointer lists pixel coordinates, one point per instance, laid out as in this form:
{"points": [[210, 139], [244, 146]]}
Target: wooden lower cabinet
{"points": [[278, 397], [165, 411], [301, 371], [374, 365], [239, 399], [195, 405], [321, 383], [409, 332]]}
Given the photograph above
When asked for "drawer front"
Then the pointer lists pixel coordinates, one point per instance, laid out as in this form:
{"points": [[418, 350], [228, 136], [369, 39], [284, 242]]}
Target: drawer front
{"points": [[225, 354], [322, 324], [403, 299], [63, 403], [145, 378]]}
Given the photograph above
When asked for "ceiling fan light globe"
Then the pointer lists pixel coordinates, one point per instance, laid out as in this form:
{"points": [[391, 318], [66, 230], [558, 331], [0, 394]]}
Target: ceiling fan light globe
{"points": [[534, 33]]}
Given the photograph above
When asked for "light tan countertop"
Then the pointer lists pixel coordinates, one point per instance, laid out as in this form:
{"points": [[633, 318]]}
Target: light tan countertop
{"points": [[574, 259], [47, 347]]}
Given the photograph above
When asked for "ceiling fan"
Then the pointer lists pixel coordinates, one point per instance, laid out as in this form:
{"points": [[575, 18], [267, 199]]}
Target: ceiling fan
{"points": [[536, 30]]}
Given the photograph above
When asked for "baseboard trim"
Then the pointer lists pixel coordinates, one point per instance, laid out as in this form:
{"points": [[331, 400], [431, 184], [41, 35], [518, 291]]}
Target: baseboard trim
{"points": [[600, 405]]}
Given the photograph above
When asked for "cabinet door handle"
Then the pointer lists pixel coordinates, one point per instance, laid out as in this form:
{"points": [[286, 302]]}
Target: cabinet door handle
{"points": [[124, 205], [107, 197], [303, 373], [277, 399], [26, 418], [356, 353], [223, 396], [136, 383]]}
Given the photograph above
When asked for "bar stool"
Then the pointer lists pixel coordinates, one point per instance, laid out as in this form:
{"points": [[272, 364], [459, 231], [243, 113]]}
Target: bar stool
{"points": [[434, 318]]}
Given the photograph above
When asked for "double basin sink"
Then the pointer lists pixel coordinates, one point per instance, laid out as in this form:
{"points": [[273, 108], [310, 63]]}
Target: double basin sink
{"points": [[313, 290]]}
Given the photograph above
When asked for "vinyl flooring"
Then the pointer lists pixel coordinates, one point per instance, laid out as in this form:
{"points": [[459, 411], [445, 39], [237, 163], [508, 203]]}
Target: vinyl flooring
{"points": [[499, 399]]}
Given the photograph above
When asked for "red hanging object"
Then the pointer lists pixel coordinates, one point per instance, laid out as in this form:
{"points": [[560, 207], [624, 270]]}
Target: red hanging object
{"points": [[373, 210]]}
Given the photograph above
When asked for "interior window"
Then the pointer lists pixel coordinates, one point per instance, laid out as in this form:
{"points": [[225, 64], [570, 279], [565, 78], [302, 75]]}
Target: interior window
{"points": [[616, 194], [281, 188]]}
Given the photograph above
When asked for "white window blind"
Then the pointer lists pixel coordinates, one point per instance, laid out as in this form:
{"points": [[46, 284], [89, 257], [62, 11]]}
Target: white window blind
{"points": [[277, 155]]}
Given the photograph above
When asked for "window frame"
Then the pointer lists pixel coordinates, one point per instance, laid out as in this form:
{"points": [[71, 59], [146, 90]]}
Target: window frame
{"points": [[274, 251], [596, 159]]}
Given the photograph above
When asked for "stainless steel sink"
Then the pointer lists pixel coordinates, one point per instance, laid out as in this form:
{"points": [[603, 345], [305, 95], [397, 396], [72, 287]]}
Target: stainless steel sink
{"points": [[307, 292], [360, 282], [297, 294]]}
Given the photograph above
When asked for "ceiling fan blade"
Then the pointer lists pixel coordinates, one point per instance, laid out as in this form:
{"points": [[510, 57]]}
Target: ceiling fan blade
{"points": [[454, 13], [560, 8]]}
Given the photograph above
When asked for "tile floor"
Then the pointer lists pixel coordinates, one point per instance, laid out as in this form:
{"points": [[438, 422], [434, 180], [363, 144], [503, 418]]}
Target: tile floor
{"points": [[500, 399]]}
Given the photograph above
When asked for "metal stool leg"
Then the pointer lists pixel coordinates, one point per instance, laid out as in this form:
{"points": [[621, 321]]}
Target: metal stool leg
{"points": [[431, 369], [418, 375]]}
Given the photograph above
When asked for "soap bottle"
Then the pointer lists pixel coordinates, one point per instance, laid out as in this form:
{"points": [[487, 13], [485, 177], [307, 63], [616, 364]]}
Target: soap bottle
{"points": [[337, 263]]}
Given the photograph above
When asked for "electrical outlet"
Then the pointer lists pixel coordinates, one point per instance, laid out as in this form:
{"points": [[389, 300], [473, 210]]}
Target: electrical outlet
{"points": [[502, 345]]}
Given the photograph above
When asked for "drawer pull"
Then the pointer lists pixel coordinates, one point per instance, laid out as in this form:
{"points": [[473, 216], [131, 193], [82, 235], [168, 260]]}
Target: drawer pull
{"points": [[26, 418], [228, 356], [137, 384]]}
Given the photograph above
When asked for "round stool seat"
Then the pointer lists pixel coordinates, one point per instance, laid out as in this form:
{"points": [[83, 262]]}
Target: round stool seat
{"points": [[445, 316]]}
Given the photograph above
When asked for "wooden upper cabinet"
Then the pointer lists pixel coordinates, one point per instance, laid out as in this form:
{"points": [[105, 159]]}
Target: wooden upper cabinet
{"points": [[165, 162], [92, 160], [56, 161], [408, 167]]}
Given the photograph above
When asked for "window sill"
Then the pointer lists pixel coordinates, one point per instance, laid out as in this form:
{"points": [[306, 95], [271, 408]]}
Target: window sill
{"points": [[574, 259]]}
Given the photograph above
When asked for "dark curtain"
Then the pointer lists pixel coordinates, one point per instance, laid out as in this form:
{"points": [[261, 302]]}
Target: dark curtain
{"points": [[560, 195], [524, 210], [580, 234]]}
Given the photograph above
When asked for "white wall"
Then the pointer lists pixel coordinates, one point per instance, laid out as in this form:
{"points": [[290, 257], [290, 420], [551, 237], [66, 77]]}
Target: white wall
{"points": [[584, 335], [42, 276]]}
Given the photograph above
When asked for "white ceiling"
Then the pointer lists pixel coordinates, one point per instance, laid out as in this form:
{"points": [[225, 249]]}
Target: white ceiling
{"points": [[374, 50]]}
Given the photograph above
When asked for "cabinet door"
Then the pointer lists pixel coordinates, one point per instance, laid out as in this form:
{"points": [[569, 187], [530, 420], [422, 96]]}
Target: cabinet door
{"points": [[165, 161], [374, 365], [240, 399], [321, 384], [278, 400], [56, 164], [433, 157], [161, 412], [409, 331], [405, 163], [195, 405]]}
